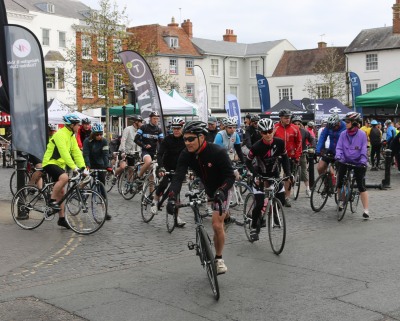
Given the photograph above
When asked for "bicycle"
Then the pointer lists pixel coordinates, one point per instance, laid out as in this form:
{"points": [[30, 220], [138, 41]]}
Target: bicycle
{"points": [[127, 178], [324, 186], [96, 185], [348, 194], [111, 178], [203, 241], [85, 209], [296, 173], [273, 208], [29, 170]]}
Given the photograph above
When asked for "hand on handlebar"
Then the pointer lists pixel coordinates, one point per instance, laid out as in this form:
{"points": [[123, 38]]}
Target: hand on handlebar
{"points": [[219, 196]]}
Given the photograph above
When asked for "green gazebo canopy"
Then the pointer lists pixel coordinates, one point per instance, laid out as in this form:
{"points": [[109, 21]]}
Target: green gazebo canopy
{"points": [[387, 95]]}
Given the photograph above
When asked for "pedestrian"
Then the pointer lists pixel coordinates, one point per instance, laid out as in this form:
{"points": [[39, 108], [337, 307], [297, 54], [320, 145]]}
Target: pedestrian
{"points": [[212, 129], [375, 139]]}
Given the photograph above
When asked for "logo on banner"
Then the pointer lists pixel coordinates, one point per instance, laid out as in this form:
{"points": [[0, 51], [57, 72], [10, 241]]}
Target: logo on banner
{"points": [[21, 48], [136, 68], [335, 110]]}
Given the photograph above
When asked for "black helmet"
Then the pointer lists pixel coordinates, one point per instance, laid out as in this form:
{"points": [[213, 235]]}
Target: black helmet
{"points": [[255, 118], [297, 118], [154, 114], [353, 117], [195, 127], [285, 112], [86, 121], [137, 118]]}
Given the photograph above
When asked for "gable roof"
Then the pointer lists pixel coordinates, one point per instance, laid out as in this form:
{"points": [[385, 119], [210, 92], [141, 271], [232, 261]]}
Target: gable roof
{"points": [[374, 39], [303, 62]]}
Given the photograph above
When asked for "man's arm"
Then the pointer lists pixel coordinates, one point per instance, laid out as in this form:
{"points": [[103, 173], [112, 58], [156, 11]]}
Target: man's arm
{"points": [[86, 152], [321, 140], [298, 146], [124, 137], [105, 152]]}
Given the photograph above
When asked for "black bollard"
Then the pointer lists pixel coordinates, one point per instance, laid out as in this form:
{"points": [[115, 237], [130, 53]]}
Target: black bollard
{"points": [[310, 159], [21, 168], [388, 164]]}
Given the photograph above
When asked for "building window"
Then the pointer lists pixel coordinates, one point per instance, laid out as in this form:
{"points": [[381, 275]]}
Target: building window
{"points": [[117, 47], [61, 39], [101, 49], [101, 85], [233, 90], [61, 78], [117, 85], [285, 93], [87, 91], [255, 98], [214, 96], [173, 42], [173, 66], [50, 78], [45, 37], [214, 67], [86, 47], [51, 8], [190, 92], [322, 92], [371, 87], [372, 62], [233, 68], [189, 67], [254, 68]]}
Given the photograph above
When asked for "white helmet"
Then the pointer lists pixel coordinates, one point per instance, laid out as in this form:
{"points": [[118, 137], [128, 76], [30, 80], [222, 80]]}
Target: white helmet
{"points": [[265, 124], [231, 121], [333, 120], [177, 122]]}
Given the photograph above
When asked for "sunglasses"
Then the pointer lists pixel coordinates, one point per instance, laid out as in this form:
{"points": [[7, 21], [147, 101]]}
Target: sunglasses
{"points": [[189, 139], [99, 134], [267, 131], [347, 121]]}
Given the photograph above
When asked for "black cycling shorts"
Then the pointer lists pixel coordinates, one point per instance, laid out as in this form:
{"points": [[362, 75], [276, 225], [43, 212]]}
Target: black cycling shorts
{"points": [[54, 171]]}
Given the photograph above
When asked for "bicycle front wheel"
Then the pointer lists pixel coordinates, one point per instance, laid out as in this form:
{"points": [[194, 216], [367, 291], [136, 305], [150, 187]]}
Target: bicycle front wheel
{"points": [[125, 183], [319, 193], [208, 261], [13, 181], [343, 200], [28, 207], [111, 180], [85, 211], [147, 204], [249, 204], [276, 226], [296, 183]]}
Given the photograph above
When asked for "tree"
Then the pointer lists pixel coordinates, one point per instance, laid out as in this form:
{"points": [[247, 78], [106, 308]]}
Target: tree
{"points": [[330, 80]]}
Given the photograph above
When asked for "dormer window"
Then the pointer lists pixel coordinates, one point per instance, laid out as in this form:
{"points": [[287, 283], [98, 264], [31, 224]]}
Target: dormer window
{"points": [[173, 42], [51, 8], [46, 7]]}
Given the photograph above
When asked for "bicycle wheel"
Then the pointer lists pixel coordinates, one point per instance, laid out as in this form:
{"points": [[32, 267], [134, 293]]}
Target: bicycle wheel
{"points": [[276, 226], [296, 183], [319, 192], [13, 181], [171, 220], [343, 200], [208, 261], [100, 188], [125, 183], [148, 201], [90, 211], [28, 207], [248, 207], [354, 198], [111, 181]]}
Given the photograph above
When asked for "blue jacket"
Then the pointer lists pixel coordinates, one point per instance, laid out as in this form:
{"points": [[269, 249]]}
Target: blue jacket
{"points": [[352, 149], [333, 138]]}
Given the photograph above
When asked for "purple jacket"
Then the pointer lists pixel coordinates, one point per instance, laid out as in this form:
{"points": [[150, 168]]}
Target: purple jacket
{"points": [[352, 149]]}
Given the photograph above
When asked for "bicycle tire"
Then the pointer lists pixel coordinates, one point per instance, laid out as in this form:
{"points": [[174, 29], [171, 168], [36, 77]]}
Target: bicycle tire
{"points": [[345, 190], [296, 183], [319, 192], [28, 207], [125, 183], [248, 207], [171, 220], [276, 225], [354, 198], [147, 201], [209, 261], [92, 211], [100, 188], [109, 178], [13, 181]]}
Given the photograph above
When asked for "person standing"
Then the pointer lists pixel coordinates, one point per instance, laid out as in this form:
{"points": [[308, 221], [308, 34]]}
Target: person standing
{"points": [[212, 129], [375, 139]]}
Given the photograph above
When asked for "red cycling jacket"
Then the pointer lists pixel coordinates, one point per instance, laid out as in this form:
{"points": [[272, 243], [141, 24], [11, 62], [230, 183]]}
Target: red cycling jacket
{"points": [[292, 138]]}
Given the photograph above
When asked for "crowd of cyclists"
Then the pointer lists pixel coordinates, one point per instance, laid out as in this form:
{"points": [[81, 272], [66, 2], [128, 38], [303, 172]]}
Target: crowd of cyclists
{"points": [[266, 148]]}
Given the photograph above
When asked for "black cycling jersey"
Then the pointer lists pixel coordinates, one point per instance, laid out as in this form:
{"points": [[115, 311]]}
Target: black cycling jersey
{"points": [[170, 149], [267, 155], [149, 135], [251, 136], [212, 165]]}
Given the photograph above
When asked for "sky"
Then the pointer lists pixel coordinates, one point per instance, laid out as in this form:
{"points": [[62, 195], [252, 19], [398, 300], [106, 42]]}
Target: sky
{"points": [[302, 22]]}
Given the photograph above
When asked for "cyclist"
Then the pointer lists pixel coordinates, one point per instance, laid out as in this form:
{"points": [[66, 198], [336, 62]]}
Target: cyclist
{"points": [[62, 150], [252, 134], [230, 140], [291, 135], [311, 128], [266, 152], [212, 165], [222, 123], [212, 129], [83, 132], [147, 137], [170, 149], [375, 139], [332, 131], [95, 154], [351, 148]]}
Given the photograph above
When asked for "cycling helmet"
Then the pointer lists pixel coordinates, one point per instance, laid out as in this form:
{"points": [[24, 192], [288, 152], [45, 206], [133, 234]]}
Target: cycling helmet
{"points": [[255, 118], [285, 112], [177, 122], [353, 116], [248, 116], [97, 128], [86, 121], [374, 122], [137, 118], [224, 121], [310, 124], [195, 127], [265, 124], [53, 127], [231, 121], [333, 120], [297, 118], [154, 114], [71, 119]]}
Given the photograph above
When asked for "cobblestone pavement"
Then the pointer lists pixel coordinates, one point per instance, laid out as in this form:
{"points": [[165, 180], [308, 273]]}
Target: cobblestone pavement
{"points": [[126, 241]]}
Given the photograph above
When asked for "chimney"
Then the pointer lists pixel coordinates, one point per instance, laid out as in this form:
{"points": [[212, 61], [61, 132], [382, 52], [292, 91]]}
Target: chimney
{"points": [[396, 17], [173, 23], [322, 44], [187, 26], [229, 36]]}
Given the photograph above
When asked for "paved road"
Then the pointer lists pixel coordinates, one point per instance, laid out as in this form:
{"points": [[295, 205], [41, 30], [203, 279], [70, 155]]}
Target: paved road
{"points": [[131, 270]]}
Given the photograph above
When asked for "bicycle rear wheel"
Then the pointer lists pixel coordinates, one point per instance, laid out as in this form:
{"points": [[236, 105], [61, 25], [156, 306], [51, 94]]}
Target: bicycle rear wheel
{"points": [[320, 192], [208, 261], [249, 204], [296, 183], [147, 201], [28, 207], [13, 181], [343, 200], [125, 183], [85, 211], [276, 226]]}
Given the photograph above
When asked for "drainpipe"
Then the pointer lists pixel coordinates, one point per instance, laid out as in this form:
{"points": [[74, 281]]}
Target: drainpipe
{"points": [[223, 81]]}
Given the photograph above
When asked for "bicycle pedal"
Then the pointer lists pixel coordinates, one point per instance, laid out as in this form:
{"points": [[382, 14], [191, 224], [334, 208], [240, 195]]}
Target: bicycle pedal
{"points": [[191, 245]]}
